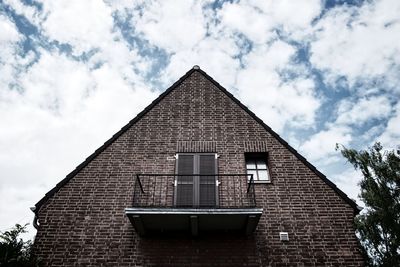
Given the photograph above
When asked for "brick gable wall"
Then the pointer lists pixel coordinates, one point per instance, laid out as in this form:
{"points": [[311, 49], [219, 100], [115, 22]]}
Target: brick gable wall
{"points": [[84, 223]]}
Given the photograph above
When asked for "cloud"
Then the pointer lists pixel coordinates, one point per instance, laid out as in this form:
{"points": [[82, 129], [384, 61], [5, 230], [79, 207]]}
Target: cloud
{"points": [[351, 117], [348, 180], [271, 58], [321, 145], [171, 25], [15, 206], [83, 25], [292, 17], [9, 33], [57, 84], [365, 109], [274, 99], [359, 44], [30, 12], [210, 54], [248, 20], [10, 40], [260, 20], [293, 103], [391, 135], [231, 44], [65, 99]]}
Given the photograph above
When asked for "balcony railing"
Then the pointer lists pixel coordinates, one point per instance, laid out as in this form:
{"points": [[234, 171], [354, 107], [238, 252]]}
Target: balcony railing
{"points": [[218, 191]]}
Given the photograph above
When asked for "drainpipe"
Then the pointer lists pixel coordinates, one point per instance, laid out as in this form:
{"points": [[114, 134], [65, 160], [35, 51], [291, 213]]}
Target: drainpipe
{"points": [[35, 219]]}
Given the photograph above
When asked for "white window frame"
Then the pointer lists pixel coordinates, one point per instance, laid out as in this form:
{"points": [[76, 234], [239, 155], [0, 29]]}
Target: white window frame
{"points": [[254, 156]]}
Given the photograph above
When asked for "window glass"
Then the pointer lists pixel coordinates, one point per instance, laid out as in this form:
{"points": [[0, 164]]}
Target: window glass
{"points": [[251, 164], [263, 175], [261, 164], [256, 164]]}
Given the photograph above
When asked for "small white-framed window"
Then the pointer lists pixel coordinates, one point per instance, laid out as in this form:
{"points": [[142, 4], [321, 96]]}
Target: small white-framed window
{"points": [[257, 164]]}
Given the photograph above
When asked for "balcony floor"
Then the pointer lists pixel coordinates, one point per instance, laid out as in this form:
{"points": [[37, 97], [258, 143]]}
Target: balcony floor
{"points": [[193, 221]]}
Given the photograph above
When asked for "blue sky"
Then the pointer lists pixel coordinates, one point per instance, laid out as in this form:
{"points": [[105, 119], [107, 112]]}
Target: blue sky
{"points": [[72, 73]]}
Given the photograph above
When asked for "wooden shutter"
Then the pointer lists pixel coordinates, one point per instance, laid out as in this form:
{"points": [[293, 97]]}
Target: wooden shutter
{"points": [[194, 189], [185, 184], [207, 184]]}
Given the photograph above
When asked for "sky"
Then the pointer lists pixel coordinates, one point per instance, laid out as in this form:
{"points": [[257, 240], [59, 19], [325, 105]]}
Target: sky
{"points": [[72, 73]]}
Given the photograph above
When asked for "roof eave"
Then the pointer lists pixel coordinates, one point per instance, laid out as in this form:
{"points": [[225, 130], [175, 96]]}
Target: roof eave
{"points": [[343, 195], [109, 141], [155, 102]]}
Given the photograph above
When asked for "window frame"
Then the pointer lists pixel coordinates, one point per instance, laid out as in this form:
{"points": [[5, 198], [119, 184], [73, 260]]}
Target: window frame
{"points": [[257, 156]]}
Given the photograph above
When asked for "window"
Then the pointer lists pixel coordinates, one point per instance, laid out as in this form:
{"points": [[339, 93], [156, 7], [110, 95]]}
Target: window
{"points": [[256, 164], [196, 183]]}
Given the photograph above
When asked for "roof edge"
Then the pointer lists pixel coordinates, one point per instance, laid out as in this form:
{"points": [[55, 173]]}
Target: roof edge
{"points": [[343, 195], [64, 181]]}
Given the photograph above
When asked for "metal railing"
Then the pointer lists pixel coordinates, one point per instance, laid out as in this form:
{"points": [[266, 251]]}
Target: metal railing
{"points": [[194, 191]]}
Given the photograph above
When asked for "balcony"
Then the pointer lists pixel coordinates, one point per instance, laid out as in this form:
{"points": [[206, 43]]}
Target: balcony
{"points": [[194, 203]]}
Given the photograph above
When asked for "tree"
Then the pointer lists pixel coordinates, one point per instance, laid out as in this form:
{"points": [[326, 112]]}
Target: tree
{"points": [[378, 225], [13, 250]]}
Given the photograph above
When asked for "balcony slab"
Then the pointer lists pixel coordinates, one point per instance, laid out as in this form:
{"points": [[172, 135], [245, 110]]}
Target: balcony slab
{"points": [[192, 220]]}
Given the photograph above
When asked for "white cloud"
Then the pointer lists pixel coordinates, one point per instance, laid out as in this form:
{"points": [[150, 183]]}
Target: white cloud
{"points": [[271, 58], [72, 101], [321, 146], [9, 33], [69, 22], [291, 15], [247, 20], [258, 20], [359, 43], [15, 206], [365, 109], [215, 56], [29, 12], [171, 25], [276, 101], [64, 113], [293, 103], [9, 50], [351, 116], [390, 137], [218, 53], [82, 24], [57, 84], [348, 180]]}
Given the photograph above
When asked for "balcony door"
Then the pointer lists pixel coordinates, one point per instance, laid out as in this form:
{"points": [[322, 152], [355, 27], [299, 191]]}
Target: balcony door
{"points": [[196, 182]]}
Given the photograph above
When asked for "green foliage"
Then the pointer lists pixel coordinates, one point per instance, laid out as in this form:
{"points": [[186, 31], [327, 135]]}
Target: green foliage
{"points": [[378, 226], [13, 250]]}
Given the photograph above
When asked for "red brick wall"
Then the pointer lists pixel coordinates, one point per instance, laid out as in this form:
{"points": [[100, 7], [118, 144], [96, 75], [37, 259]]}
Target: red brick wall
{"points": [[84, 224]]}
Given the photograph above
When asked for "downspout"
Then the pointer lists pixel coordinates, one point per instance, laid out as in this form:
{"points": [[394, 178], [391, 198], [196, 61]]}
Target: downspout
{"points": [[35, 219]]}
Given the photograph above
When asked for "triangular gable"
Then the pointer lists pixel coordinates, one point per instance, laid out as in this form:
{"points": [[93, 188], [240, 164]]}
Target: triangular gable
{"points": [[155, 102]]}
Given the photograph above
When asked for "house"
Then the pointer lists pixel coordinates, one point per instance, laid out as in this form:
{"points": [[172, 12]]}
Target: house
{"points": [[196, 179]]}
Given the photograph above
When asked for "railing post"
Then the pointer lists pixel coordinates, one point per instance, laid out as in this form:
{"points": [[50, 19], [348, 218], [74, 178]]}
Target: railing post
{"points": [[250, 182], [139, 182], [253, 193]]}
